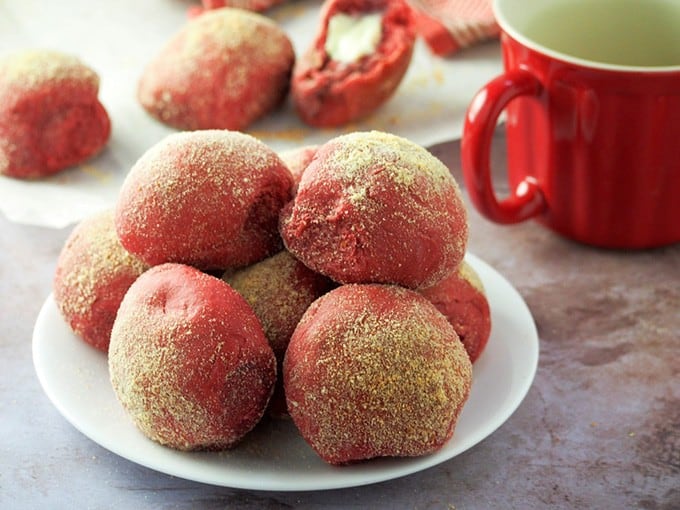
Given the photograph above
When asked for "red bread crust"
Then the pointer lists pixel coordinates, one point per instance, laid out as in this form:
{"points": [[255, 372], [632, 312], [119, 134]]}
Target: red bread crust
{"points": [[210, 199], [327, 93], [189, 361], [223, 70], [297, 160], [250, 5], [50, 117], [375, 371], [93, 274], [374, 207], [279, 289], [461, 298]]}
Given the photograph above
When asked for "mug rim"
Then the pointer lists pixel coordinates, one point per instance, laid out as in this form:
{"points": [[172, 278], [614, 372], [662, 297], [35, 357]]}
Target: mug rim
{"points": [[511, 31]]}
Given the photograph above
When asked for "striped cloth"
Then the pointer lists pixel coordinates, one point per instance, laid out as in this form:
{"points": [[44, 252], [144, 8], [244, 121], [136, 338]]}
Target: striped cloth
{"points": [[449, 25]]}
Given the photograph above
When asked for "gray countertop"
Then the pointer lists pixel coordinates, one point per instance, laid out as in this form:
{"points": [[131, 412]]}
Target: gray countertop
{"points": [[600, 427]]}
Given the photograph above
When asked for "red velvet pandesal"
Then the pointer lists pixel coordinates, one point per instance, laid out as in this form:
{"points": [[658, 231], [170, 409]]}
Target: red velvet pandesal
{"points": [[210, 199], [461, 298], [297, 160], [329, 91], [189, 361], [93, 274], [375, 371], [50, 115], [279, 289], [225, 69], [376, 208]]}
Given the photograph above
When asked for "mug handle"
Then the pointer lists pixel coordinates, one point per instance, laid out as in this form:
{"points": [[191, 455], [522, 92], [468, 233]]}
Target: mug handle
{"points": [[526, 200]]}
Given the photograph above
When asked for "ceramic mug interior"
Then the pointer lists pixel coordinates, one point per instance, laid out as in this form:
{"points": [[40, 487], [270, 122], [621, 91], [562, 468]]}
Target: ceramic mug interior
{"points": [[616, 34]]}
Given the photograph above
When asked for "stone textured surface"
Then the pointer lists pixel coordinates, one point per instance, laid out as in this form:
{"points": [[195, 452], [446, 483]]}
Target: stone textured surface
{"points": [[600, 428]]}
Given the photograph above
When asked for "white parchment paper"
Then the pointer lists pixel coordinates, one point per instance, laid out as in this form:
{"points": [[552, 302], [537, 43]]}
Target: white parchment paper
{"points": [[117, 38]]}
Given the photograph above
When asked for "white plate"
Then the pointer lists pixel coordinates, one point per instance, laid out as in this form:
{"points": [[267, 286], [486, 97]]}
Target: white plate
{"points": [[274, 456]]}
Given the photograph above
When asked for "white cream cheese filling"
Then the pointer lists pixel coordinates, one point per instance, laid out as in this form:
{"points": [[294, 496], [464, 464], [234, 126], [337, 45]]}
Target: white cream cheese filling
{"points": [[351, 37]]}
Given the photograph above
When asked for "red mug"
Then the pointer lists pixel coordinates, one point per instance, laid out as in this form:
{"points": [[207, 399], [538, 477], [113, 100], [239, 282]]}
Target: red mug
{"points": [[592, 121]]}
